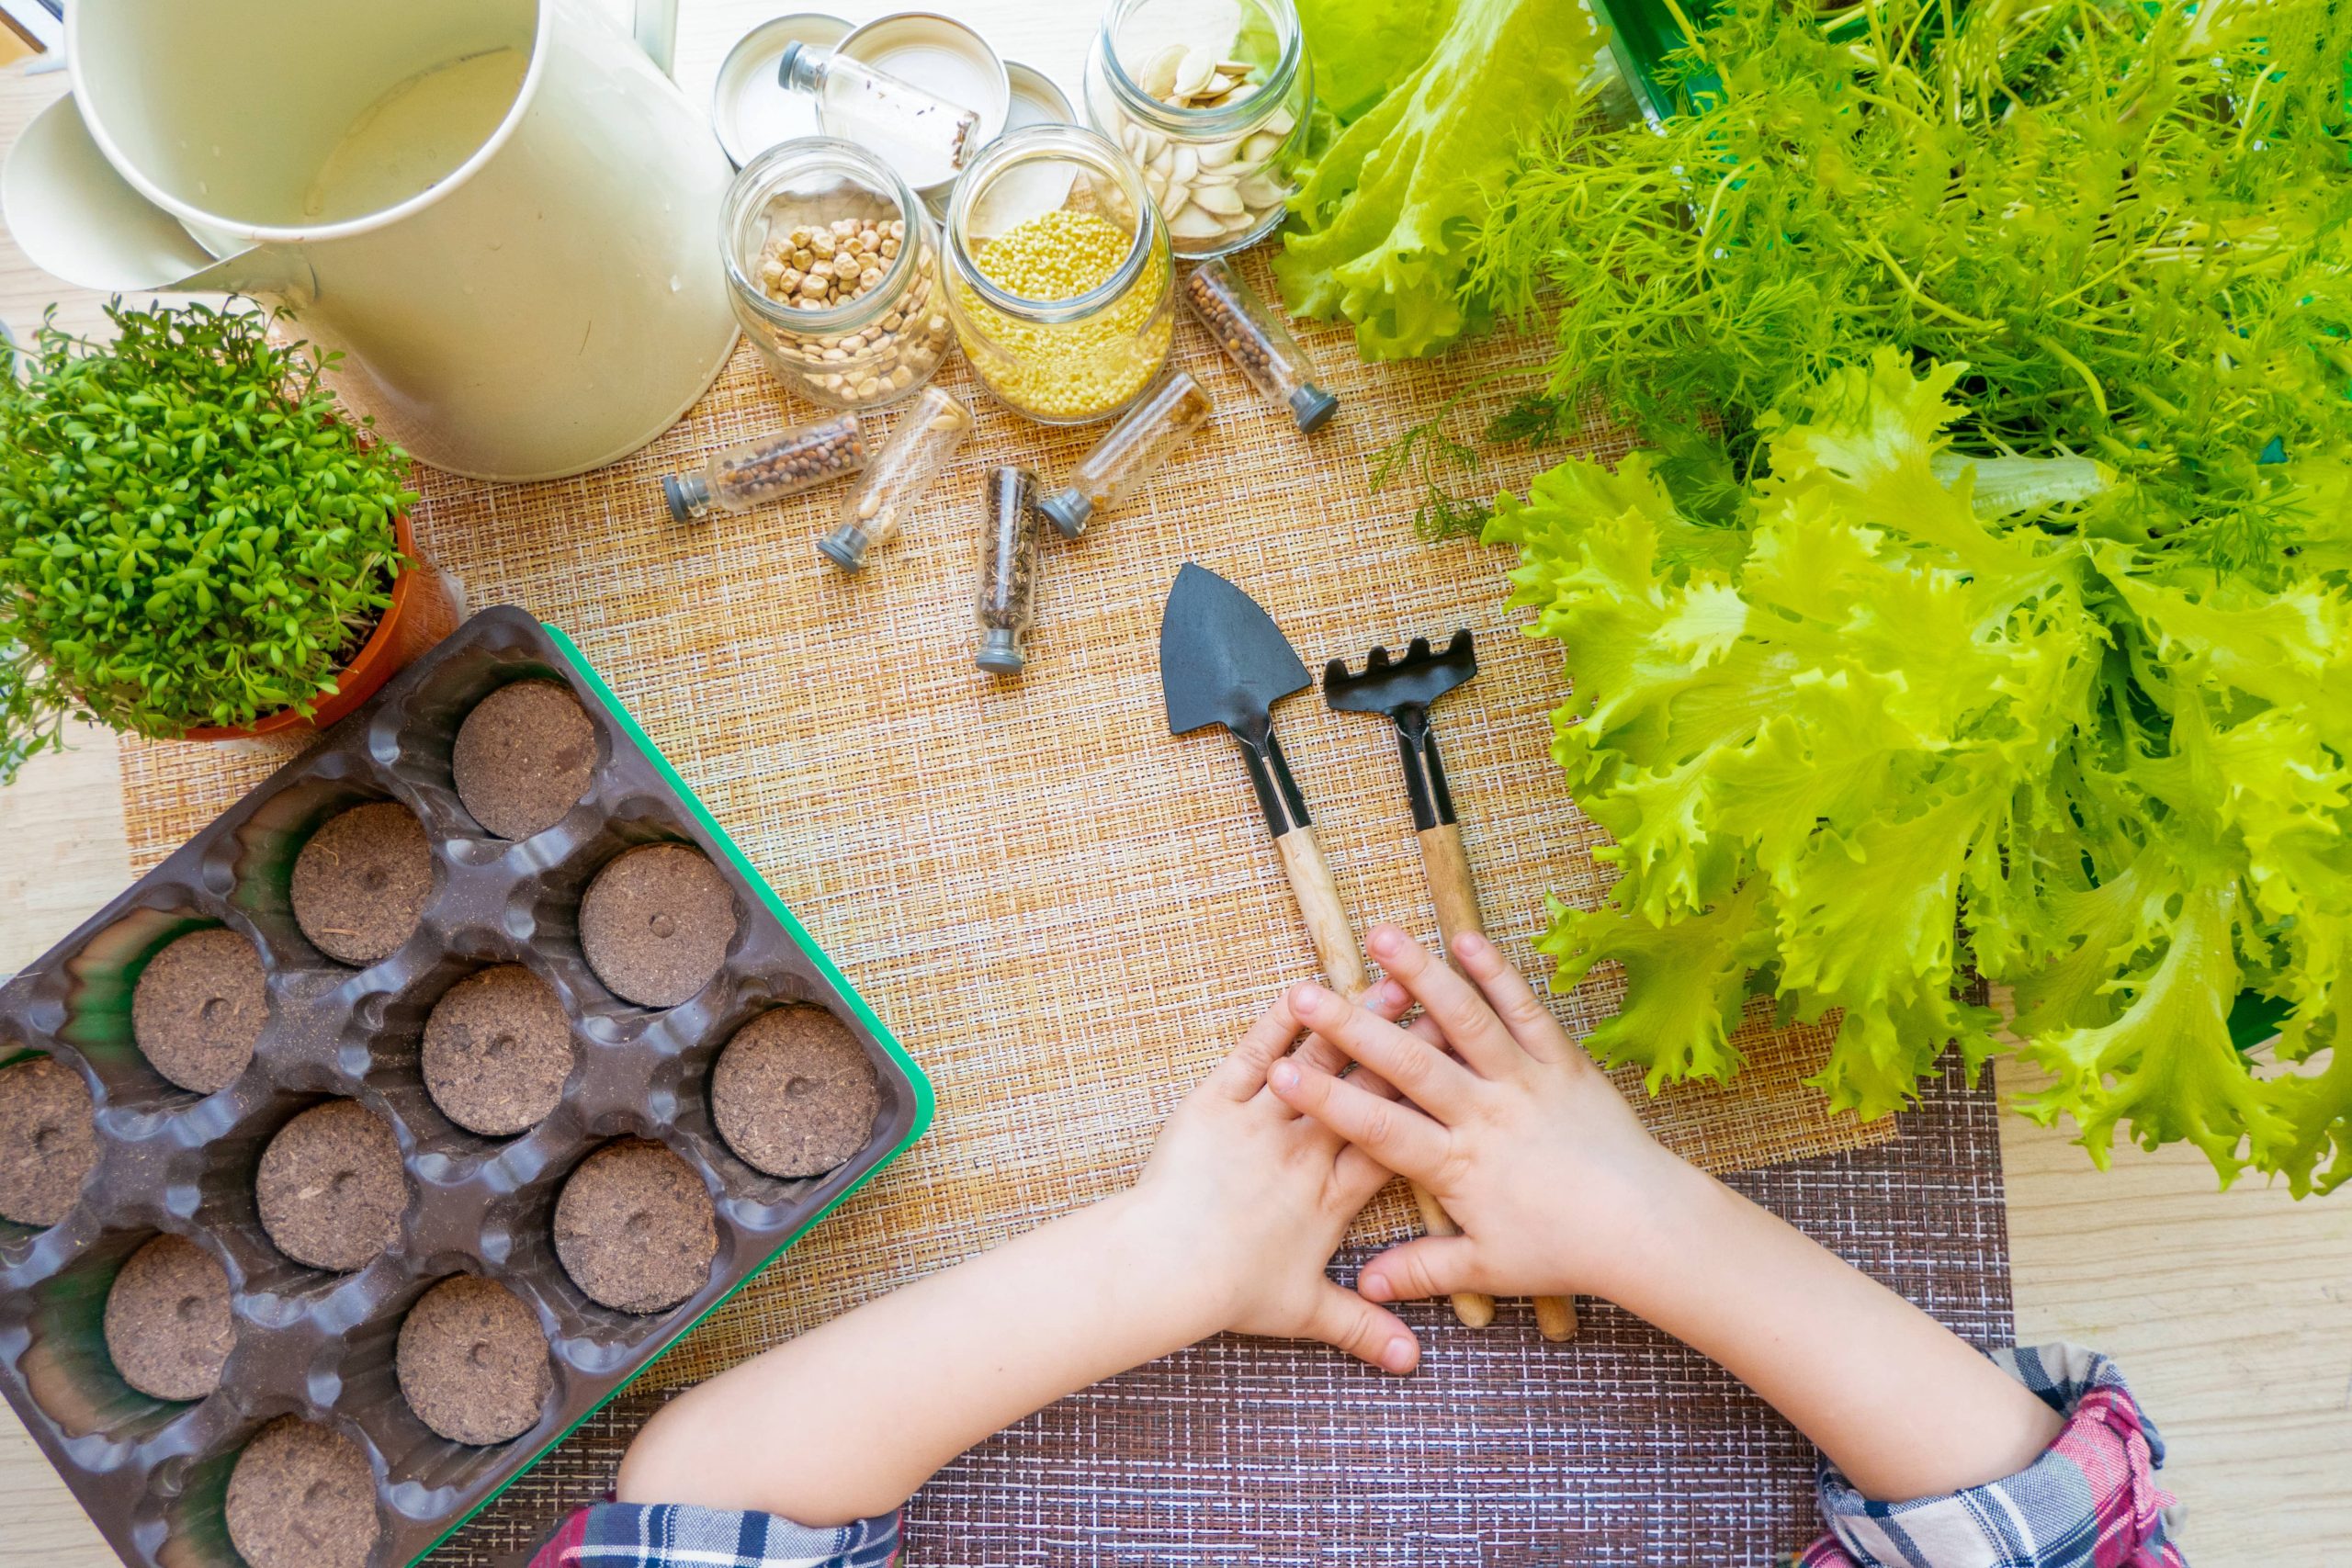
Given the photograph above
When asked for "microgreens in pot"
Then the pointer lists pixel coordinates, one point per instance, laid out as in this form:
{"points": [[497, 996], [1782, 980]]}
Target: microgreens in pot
{"points": [[192, 532]]}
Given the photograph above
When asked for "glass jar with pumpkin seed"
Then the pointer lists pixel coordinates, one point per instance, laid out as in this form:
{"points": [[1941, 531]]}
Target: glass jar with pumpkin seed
{"points": [[834, 267], [1058, 274], [1210, 98]]}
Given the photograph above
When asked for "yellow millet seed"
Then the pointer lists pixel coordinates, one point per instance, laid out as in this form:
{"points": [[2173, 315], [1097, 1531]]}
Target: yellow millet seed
{"points": [[1071, 370]]}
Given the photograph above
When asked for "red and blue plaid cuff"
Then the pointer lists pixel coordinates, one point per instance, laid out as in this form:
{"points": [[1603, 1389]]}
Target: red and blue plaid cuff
{"points": [[2090, 1501]]}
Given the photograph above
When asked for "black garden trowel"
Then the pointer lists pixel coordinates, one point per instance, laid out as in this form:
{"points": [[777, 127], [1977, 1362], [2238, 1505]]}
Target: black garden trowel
{"points": [[1223, 660], [1405, 690]]}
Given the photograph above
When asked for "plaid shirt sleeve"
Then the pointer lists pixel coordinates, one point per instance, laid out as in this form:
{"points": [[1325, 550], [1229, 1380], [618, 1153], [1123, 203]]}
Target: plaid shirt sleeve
{"points": [[675, 1535], [2090, 1501]]}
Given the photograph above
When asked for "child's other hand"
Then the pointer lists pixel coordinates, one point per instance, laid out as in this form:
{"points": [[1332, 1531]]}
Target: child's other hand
{"points": [[1551, 1177], [1247, 1200]]}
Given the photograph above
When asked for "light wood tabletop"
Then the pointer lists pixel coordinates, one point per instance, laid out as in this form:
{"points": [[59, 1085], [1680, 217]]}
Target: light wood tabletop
{"points": [[2231, 1312]]}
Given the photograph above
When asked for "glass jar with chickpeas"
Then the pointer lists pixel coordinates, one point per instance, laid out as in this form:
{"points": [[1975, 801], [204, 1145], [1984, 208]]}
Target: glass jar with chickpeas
{"points": [[1058, 274], [835, 271], [1211, 100]]}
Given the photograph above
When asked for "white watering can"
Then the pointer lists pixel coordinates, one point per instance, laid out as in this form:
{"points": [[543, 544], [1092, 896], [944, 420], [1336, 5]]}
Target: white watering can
{"points": [[501, 212]]}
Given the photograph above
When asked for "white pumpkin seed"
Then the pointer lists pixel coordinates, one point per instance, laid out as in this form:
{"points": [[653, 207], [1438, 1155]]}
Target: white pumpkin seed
{"points": [[1192, 224], [1216, 154], [1223, 200], [1187, 163], [1193, 72], [1159, 75], [1164, 160], [1261, 191], [1281, 122], [1218, 85], [1261, 146]]}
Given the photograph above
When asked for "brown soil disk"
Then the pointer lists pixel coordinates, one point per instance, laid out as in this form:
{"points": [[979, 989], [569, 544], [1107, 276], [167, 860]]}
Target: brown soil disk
{"points": [[302, 1496], [360, 885], [199, 1007], [524, 757], [793, 1093], [634, 1228], [331, 1189], [48, 1140], [497, 1050], [472, 1361], [167, 1320], [656, 923]]}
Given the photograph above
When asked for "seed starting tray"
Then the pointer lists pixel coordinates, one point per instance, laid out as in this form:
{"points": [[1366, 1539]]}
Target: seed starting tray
{"points": [[152, 1474]]}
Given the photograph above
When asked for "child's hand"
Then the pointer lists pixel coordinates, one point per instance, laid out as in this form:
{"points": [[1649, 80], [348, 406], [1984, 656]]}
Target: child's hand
{"points": [[1257, 1197], [1530, 1148]]}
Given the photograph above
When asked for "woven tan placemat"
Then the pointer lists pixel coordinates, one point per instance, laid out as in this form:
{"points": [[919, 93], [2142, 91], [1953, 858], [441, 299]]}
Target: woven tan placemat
{"points": [[1064, 911]]}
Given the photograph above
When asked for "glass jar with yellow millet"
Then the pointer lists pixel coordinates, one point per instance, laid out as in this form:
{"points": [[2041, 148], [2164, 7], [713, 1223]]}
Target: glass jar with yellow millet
{"points": [[1058, 274]]}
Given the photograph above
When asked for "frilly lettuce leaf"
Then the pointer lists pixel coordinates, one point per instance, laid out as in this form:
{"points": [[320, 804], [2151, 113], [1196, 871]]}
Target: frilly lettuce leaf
{"points": [[1894, 728], [1389, 209]]}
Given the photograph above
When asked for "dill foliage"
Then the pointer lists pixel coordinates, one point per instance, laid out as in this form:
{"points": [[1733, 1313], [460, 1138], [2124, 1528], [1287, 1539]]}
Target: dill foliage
{"points": [[2131, 223]]}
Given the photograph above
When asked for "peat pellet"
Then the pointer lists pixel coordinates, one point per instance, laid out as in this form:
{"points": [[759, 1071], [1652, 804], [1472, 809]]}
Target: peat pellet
{"points": [[524, 757], [199, 1009], [302, 1496], [634, 1227], [331, 1189], [497, 1049], [48, 1141], [360, 884], [656, 923], [167, 1320], [472, 1361], [792, 1092]]}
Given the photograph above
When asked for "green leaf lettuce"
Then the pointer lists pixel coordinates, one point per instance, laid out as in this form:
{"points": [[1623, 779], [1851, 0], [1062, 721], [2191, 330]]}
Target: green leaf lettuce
{"points": [[1885, 729], [1436, 93]]}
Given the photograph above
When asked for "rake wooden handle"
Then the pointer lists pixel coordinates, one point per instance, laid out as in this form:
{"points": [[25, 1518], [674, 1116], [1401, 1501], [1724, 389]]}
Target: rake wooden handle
{"points": [[1335, 948], [1447, 868]]}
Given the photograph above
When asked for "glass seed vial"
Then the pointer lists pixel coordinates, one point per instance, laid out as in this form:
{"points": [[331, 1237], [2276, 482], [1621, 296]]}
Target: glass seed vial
{"points": [[754, 473], [1147, 436], [928, 437], [923, 135], [1005, 605], [1254, 338]]}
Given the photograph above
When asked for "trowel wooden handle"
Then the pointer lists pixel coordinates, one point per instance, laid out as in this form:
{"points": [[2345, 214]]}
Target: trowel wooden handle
{"points": [[1455, 895], [1335, 948], [1326, 916]]}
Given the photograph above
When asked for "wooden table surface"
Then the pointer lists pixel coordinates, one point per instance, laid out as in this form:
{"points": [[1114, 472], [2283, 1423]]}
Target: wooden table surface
{"points": [[2231, 1312]]}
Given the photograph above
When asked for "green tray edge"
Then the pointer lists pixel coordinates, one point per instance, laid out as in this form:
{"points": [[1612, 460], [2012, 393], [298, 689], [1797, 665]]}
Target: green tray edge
{"points": [[926, 1103]]}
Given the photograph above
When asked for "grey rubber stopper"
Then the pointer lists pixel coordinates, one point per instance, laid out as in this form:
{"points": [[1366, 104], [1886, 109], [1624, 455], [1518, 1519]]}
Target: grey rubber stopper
{"points": [[1000, 653], [1069, 510], [689, 497], [836, 548], [1312, 407]]}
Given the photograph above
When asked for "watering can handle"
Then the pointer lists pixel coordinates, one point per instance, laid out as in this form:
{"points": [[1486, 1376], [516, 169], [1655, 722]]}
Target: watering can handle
{"points": [[654, 24]]}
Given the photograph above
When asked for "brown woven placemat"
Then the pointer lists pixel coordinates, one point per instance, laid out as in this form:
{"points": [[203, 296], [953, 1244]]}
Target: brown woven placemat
{"points": [[1621, 1450], [1064, 911]]}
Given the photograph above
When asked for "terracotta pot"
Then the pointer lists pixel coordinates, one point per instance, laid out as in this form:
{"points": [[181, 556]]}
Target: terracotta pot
{"points": [[423, 612]]}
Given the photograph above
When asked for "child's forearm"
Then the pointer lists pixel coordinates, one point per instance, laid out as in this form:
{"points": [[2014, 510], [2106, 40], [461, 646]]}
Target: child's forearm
{"points": [[847, 1420], [1900, 1404]]}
